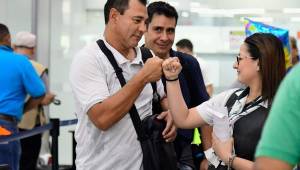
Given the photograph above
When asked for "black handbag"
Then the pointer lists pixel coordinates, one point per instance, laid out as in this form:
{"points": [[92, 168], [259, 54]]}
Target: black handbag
{"points": [[157, 154]]}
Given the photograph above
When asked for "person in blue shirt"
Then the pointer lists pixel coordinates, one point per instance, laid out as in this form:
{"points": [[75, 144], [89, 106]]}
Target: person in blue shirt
{"points": [[18, 78], [159, 37]]}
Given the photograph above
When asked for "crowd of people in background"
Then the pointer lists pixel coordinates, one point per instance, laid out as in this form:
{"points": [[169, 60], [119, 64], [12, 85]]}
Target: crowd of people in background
{"points": [[19, 81], [252, 126], [23, 94]]}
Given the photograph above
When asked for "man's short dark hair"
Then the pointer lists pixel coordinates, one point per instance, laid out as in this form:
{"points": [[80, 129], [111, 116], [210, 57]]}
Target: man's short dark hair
{"points": [[119, 5], [3, 32], [185, 43], [161, 8]]}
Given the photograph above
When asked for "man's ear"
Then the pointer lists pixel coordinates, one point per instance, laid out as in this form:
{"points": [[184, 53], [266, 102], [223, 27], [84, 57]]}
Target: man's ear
{"points": [[113, 14], [7, 40], [13, 46]]}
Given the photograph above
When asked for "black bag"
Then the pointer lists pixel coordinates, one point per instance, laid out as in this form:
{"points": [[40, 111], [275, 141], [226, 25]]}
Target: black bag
{"points": [[157, 154]]}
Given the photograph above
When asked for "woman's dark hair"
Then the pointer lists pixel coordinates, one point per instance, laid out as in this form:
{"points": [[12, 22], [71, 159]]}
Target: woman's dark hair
{"points": [[269, 50]]}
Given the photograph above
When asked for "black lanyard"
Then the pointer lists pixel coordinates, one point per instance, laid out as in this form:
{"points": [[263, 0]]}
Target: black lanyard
{"points": [[252, 103]]}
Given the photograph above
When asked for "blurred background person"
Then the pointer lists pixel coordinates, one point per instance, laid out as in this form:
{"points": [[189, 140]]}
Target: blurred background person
{"points": [[186, 46], [25, 44], [18, 78], [279, 146], [294, 51]]}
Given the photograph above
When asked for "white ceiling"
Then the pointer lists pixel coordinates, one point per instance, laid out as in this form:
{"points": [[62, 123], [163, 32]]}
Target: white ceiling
{"points": [[272, 9], [229, 4]]}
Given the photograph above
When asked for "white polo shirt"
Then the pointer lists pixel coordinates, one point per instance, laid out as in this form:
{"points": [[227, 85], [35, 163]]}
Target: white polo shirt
{"points": [[93, 79]]}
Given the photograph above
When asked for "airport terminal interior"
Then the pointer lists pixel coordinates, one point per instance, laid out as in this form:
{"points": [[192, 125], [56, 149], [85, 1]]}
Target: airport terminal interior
{"points": [[63, 27]]}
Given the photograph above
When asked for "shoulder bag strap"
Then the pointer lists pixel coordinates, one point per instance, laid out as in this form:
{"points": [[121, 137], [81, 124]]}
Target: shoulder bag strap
{"points": [[133, 111]]}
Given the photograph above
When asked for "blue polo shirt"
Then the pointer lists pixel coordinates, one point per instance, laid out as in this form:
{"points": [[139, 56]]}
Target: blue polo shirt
{"points": [[17, 79]]}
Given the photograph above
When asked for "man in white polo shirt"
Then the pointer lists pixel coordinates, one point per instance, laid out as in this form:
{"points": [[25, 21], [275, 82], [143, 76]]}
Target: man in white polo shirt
{"points": [[106, 138]]}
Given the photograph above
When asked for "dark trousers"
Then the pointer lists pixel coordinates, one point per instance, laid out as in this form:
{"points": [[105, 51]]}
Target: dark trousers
{"points": [[10, 152], [30, 151]]}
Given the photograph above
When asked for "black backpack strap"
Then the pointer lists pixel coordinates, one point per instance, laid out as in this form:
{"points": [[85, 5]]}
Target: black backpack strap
{"points": [[232, 99], [146, 54], [133, 111]]}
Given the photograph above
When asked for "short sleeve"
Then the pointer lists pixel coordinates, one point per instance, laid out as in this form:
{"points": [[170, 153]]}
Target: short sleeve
{"points": [[205, 109], [88, 80]]}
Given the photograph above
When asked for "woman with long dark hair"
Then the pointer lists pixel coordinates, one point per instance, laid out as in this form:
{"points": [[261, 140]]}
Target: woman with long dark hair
{"points": [[260, 66]]}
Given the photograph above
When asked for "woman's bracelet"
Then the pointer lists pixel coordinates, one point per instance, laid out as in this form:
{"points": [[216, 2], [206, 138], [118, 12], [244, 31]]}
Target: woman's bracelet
{"points": [[175, 79]]}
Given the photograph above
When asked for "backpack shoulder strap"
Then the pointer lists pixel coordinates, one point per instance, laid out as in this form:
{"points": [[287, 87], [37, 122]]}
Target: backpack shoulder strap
{"points": [[156, 107], [146, 54], [231, 100]]}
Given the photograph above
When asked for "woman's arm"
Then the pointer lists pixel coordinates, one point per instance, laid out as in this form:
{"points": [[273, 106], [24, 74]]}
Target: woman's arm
{"points": [[223, 150], [242, 164], [183, 117], [265, 163]]}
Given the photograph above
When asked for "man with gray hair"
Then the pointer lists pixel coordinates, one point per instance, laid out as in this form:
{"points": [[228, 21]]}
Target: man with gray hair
{"points": [[25, 44]]}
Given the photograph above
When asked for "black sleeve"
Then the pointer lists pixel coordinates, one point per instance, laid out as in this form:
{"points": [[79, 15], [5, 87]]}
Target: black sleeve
{"points": [[195, 82]]}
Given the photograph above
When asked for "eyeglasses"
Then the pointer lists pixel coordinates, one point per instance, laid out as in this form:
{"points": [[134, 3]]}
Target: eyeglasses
{"points": [[239, 58]]}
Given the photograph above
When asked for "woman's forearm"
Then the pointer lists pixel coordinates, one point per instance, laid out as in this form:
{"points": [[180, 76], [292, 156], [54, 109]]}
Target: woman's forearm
{"points": [[242, 164], [176, 103]]}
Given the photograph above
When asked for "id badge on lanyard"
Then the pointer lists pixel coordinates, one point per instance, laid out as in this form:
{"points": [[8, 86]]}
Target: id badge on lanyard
{"points": [[240, 108]]}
